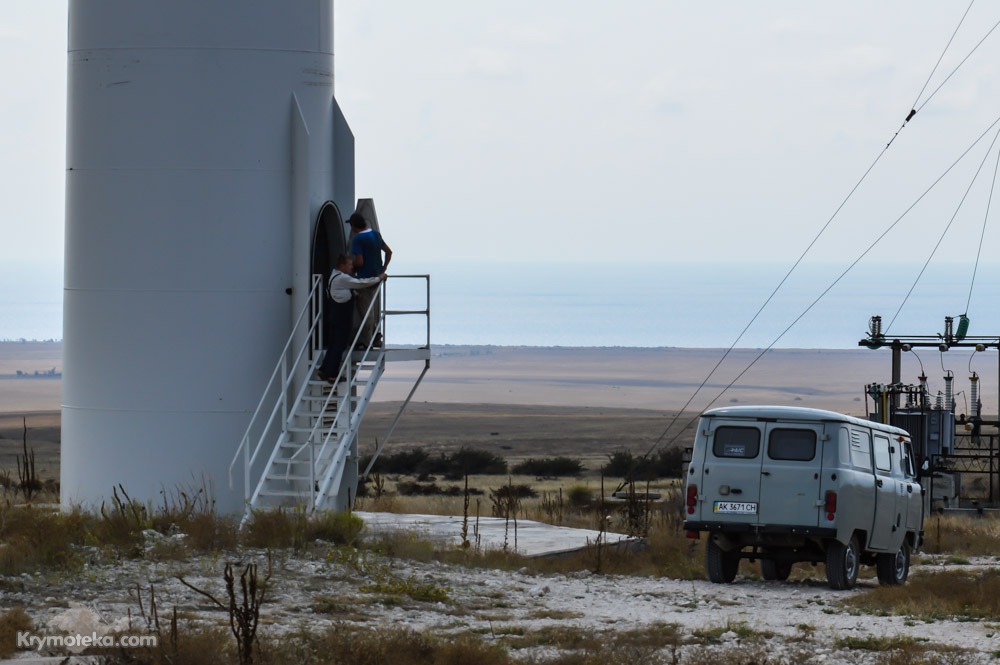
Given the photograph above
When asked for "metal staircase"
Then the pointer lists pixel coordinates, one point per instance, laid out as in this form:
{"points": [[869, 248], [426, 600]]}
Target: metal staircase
{"points": [[301, 446]]}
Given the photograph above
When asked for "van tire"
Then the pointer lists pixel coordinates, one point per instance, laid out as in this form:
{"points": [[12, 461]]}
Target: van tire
{"points": [[842, 563], [893, 569], [720, 564], [775, 570]]}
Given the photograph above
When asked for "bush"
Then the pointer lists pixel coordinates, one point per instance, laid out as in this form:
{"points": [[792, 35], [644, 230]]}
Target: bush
{"points": [[294, 528], [549, 466], [580, 496], [408, 488], [405, 462], [416, 462], [11, 623], [33, 538], [515, 491], [665, 463], [469, 461]]}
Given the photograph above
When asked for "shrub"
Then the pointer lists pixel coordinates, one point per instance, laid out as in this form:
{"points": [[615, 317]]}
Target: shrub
{"points": [[405, 461], [580, 496], [31, 538], [516, 491], [549, 466], [409, 488], [339, 528], [295, 528], [665, 463], [465, 461], [11, 623], [470, 461]]}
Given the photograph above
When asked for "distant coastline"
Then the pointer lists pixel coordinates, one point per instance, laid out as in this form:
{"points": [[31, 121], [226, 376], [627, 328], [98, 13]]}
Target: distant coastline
{"points": [[659, 378]]}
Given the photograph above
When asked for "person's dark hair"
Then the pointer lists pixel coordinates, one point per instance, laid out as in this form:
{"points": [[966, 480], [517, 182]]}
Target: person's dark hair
{"points": [[342, 259], [357, 221]]}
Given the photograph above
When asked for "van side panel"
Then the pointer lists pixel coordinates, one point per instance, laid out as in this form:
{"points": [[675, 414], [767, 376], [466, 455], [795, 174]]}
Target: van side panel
{"points": [[848, 472]]}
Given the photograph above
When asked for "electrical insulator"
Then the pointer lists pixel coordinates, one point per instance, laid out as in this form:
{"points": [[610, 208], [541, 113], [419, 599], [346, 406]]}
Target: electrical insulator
{"points": [[949, 392], [974, 395]]}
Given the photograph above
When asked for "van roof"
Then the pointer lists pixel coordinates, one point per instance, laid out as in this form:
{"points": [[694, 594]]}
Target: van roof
{"points": [[795, 413]]}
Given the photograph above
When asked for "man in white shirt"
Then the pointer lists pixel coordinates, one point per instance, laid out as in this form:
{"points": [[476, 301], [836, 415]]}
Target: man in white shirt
{"points": [[341, 288]]}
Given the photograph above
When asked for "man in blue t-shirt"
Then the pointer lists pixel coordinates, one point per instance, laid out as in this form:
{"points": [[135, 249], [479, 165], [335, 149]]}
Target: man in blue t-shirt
{"points": [[368, 247]]}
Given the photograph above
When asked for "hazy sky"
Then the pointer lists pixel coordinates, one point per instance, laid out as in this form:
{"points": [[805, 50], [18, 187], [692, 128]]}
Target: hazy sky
{"points": [[607, 132]]}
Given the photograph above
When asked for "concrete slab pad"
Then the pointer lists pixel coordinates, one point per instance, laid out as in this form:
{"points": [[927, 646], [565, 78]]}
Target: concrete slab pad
{"points": [[529, 538]]}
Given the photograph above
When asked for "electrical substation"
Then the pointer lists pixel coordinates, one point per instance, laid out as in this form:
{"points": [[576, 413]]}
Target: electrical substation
{"points": [[958, 451]]}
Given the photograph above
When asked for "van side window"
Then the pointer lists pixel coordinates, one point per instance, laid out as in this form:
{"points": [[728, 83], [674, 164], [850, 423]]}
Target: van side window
{"points": [[861, 450], [883, 459], [736, 442], [792, 444], [908, 467]]}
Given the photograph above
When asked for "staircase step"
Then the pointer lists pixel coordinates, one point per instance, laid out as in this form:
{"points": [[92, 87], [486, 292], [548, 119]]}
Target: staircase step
{"points": [[288, 478], [287, 493], [306, 430]]}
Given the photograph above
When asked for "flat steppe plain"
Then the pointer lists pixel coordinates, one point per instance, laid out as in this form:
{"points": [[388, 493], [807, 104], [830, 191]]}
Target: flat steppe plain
{"points": [[530, 401]]}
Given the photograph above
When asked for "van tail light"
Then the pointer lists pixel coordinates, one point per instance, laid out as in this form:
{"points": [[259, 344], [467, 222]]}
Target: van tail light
{"points": [[692, 498], [830, 505]]}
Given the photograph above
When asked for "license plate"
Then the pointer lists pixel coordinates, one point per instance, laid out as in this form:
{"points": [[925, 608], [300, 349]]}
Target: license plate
{"points": [[735, 508]]}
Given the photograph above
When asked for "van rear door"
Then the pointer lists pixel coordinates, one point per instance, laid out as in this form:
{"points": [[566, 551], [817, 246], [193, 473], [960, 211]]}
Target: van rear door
{"points": [[790, 473], [730, 479]]}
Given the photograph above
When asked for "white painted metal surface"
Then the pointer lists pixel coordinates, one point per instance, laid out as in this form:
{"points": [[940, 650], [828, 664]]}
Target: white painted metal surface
{"points": [[191, 193]]}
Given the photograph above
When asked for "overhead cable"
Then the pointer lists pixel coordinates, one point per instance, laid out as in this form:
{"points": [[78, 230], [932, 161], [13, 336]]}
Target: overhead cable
{"points": [[843, 274], [947, 227], [982, 234]]}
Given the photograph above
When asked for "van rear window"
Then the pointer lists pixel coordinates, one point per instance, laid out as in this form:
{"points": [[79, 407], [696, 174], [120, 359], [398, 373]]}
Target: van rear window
{"points": [[736, 442], [792, 444]]}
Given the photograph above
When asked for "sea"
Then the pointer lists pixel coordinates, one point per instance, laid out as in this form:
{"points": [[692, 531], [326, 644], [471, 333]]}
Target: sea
{"points": [[685, 305]]}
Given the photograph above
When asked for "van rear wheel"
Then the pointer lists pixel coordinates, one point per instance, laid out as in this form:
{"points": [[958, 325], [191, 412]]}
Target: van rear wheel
{"points": [[842, 563], [893, 569], [775, 570], [720, 564]]}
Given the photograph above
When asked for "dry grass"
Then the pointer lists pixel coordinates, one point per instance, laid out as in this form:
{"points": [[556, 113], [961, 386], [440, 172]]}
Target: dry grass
{"points": [[937, 595], [36, 537], [970, 535], [11, 623], [906, 651], [387, 646], [295, 528]]}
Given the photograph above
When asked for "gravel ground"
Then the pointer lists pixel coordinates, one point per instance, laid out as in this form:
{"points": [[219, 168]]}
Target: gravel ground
{"points": [[798, 622]]}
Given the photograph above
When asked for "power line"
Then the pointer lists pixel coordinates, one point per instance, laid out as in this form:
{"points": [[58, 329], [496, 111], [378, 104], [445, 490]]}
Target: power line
{"points": [[841, 276], [951, 221], [982, 235]]}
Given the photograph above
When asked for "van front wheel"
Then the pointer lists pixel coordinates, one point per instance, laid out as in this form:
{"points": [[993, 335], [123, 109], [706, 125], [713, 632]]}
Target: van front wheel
{"points": [[893, 569], [842, 563], [720, 564]]}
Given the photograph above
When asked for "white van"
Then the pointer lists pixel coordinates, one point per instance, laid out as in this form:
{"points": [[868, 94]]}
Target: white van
{"points": [[787, 484]]}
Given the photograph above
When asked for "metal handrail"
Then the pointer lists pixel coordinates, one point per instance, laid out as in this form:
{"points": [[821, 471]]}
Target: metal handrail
{"points": [[314, 306], [288, 374]]}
